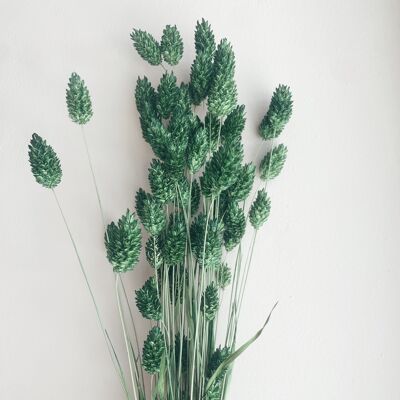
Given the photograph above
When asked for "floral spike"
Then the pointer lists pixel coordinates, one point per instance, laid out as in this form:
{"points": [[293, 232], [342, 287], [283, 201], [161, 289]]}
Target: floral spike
{"points": [[278, 114], [235, 226], [147, 47], [78, 100], [171, 45], [153, 351], [224, 276], [45, 165], [244, 183], [150, 212], [271, 165], [168, 94], [223, 92], [210, 302], [204, 37], [259, 211], [123, 243], [147, 300]]}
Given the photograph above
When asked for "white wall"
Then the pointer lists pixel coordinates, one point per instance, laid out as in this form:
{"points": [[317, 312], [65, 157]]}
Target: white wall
{"points": [[330, 252]]}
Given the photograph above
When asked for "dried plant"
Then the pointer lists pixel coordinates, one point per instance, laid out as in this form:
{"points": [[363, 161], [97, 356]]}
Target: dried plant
{"points": [[196, 212]]}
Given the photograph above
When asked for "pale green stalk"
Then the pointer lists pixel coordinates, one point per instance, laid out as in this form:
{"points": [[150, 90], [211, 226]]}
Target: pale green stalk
{"points": [[89, 158], [128, 349], [113, 356]]}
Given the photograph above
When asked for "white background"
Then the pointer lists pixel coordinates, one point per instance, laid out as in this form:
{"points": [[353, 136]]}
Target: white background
{"points": [[330, 252]]}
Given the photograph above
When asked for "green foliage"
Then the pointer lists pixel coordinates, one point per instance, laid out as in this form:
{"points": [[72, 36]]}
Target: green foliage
{"points": [[223, 93], [150, 212], [278, 114], [78, 100], [171, 45], [271, 165], [222, 170], [153, 351], [147, 47], [147, 300], [123, 242], [259, 211], [235, 226], [210, 302], [45, 165], [168, 94]]}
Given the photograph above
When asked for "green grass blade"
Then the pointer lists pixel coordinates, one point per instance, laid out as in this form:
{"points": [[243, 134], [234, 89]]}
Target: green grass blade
{"points": [[238, 352]]}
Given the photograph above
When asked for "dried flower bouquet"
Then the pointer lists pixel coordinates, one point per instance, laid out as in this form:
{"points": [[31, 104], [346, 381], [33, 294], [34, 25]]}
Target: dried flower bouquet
{"points": [[195, 213]]}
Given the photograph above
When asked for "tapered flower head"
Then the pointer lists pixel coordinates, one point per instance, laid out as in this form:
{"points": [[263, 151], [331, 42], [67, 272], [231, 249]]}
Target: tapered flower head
{"points": [[123, 243], [206, 241], [272, 164], [278, 114], [171, 45], [259, 210], [150, 212], [147, 47], [222, 170], [235, 226], [224, 276], [175, 241], [78, 100], [202, 67], [153, 351], [244, 183], [210, 302], [45, 165], [148, 301], [223, 92]]}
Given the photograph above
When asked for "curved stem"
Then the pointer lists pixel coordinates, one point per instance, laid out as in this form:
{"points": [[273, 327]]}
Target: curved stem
{"points": [[100, 321]]}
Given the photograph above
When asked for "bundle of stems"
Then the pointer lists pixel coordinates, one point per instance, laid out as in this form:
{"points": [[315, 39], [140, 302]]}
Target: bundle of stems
{"points": [[195, 214]]}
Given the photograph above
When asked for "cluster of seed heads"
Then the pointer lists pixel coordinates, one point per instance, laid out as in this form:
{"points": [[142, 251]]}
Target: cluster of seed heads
{"points": [[198, 162]]}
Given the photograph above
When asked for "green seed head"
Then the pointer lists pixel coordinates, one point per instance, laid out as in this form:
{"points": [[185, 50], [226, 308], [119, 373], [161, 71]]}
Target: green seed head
{"points": [[123, 243], [45, 165], [153, 351], [78, 100], [260, 209], [147, 300], [171, 45], [272, 164], [278, 114], [210, 302], [147, 47]]}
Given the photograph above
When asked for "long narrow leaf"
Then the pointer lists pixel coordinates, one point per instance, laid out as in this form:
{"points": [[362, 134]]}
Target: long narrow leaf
{"points": [[238, 352]]}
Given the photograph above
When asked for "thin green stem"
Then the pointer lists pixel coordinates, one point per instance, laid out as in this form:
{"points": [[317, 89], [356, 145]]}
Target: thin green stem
{"points": [[128, 349], [113, 356]]}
